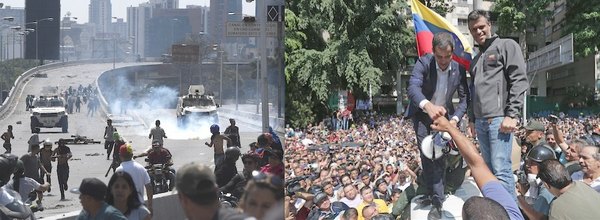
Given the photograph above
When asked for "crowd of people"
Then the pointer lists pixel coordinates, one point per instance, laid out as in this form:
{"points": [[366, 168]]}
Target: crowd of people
{"points": [[223, 193], [379, 161], [375, 168], [329, 170]]}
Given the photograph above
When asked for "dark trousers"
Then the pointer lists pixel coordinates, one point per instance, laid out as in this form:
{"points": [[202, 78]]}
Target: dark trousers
{"points": [[62, 170], [48, 168], [8, 147], [433, 170], [108, 145]]}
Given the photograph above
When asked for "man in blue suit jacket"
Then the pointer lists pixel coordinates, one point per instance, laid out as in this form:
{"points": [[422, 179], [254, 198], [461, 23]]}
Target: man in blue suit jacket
{"points": [[434, 80]]}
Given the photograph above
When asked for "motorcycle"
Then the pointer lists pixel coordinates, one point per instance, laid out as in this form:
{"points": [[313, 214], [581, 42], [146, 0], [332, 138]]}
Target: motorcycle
{"points": [[228, 200], [158, 177]]}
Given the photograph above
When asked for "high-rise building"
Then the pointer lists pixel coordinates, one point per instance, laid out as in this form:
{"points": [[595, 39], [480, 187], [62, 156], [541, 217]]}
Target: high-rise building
{"points": [[164, 4], [221, 12], [100, 13], [136, 26], [178, 22], [172, 26]]}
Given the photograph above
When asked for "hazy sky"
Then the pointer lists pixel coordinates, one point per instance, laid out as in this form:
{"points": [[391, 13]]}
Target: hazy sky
{"points": [[79, 8]]}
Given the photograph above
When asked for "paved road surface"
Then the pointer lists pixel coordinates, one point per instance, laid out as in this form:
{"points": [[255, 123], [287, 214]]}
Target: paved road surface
{"points": [[90, 160]]}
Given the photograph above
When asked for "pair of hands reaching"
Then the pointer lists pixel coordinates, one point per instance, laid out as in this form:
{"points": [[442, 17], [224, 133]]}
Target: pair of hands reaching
{"points": [[437, 112]]}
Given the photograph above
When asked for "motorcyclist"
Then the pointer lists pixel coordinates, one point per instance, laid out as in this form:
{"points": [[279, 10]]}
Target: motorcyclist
{"points": [[228, 169], [237, 184], [157, 154], [11, 205]]}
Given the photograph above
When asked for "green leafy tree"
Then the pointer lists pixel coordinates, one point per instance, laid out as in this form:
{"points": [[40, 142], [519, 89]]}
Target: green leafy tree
{"points": [[340, 44], [582, 96], [582, 18], [442, 7], [10, 70], [515, 16]]}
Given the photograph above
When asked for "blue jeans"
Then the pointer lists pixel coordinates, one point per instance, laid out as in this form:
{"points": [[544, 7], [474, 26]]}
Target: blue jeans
{"points": [[496, 149]]}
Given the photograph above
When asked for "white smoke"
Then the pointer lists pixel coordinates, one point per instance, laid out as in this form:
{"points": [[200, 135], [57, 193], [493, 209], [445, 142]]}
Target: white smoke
{"points": [[149, 102]]}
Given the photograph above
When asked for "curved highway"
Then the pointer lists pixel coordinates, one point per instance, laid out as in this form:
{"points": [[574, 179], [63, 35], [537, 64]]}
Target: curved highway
{"points": [[90, 160]]}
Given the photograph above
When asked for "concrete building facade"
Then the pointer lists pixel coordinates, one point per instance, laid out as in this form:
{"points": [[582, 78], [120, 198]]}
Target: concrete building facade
{"points": [[100, 14], [10, 40]]}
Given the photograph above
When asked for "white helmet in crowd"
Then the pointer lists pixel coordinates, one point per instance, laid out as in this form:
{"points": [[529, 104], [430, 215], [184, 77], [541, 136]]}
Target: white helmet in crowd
{"points": [[435, 145]]}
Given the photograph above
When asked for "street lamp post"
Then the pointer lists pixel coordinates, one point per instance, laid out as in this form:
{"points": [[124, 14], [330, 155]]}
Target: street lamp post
{"points": [[114, 46], [15, 29], [263, 67], [236, 84], [9, 19], [221, 77], [257, 84]]}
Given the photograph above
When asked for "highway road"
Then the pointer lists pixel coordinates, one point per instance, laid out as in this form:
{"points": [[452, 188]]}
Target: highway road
{"points": [[90, 160]]}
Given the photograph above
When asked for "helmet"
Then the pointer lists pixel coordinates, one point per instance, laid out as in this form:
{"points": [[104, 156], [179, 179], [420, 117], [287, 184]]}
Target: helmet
{"points": [[47, 142], [214, 128], [232, 153], [540, 153], [435, 145], [320, 197], [8, 165]]}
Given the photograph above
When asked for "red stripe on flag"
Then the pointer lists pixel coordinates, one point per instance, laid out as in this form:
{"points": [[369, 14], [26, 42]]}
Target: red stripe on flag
{"points": [[424, 42]]}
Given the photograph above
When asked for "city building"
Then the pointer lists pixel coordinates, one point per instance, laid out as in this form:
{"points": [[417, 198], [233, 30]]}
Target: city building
{"points": [[100, 14], [172, 26], [11, 32]]}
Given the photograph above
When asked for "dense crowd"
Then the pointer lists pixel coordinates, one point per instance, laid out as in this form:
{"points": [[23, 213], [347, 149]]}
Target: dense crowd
{"points": [[334, 173], [223, 193]]}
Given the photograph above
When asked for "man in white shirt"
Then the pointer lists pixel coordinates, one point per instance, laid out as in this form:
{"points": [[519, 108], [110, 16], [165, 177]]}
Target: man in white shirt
{"points": [[589, 159], [351, 197], [157, 133], [138, 173]]}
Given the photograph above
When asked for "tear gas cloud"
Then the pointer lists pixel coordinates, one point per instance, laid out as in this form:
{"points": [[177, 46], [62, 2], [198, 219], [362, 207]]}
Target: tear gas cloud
{"points": [[148, 103]]}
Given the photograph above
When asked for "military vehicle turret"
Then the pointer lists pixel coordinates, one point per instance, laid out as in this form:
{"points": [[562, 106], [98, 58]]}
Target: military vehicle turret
{"points": [[197, 107]]}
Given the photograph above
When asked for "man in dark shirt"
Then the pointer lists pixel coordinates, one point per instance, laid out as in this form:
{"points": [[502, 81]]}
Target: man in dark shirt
{"points": [[63, 154], [227, 170], [32, 164], [198, 194], [160, 155], [233, 133]]}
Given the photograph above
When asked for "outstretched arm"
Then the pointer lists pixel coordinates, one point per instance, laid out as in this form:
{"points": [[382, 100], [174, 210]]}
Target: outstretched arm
{"points": [[480, 171], [560, 139]]}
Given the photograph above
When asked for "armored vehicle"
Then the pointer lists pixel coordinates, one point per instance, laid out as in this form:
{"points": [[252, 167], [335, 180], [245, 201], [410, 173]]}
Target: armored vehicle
{"points": [[197, 107], [49, 112]]}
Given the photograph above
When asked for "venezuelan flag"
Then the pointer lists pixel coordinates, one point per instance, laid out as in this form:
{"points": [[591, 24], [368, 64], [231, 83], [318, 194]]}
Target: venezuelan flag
{"points": [[427, 23]]}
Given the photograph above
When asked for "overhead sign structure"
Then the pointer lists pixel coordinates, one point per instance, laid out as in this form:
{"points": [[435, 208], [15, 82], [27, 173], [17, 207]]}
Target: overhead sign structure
{"points": [[183, 53], [250, 29], [557, 53]]}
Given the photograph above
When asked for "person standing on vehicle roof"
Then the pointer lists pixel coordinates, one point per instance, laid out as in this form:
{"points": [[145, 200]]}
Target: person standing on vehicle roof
{"points": [[157, 133], [109, 141]]}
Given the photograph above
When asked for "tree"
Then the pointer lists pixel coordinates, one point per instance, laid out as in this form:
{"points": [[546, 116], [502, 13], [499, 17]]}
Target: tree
{"points": [[581, 96], [516, 16], [582, 18], [340, 44], [442, 7]]}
